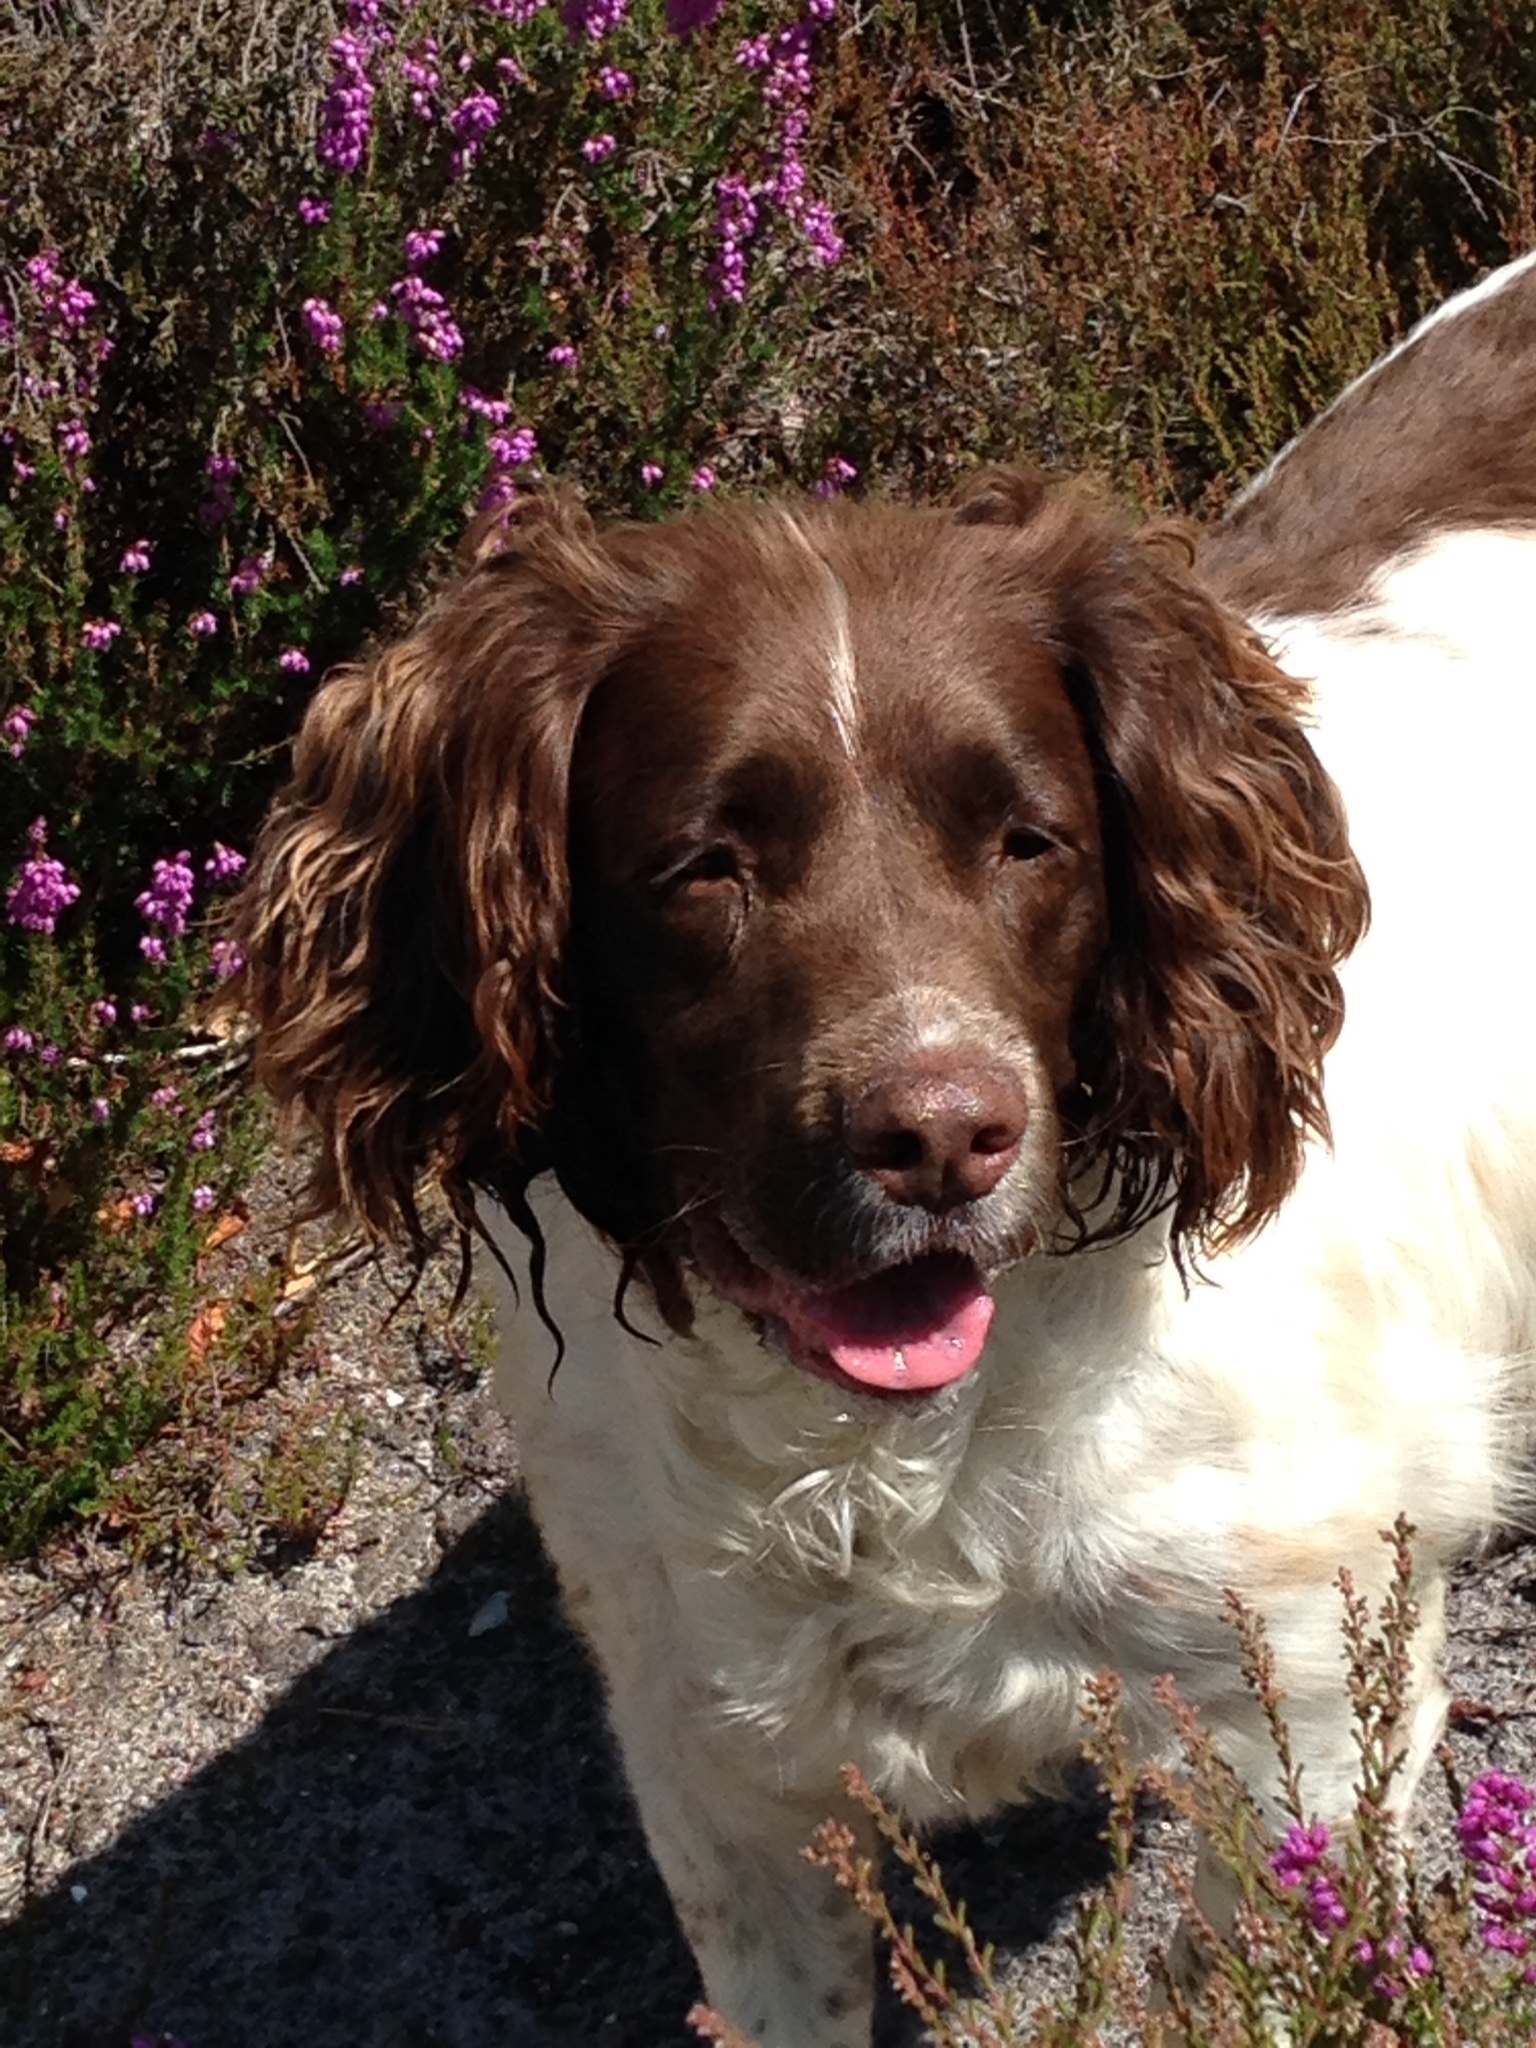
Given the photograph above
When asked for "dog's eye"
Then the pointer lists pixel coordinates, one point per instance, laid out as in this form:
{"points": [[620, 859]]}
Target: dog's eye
{"points": [[710, 873], [1023, 842]]}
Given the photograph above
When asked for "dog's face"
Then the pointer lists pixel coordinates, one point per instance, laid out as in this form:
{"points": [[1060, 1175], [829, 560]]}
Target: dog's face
{"points": [[830, 896], [838, 901]]}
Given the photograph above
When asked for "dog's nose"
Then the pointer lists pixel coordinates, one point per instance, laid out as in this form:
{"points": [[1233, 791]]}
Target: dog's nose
{"points": [[937, 1132]]}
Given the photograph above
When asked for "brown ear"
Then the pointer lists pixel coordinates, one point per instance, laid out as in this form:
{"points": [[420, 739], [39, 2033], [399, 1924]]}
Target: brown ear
{"points": [[405, 915], [1234, 894]]}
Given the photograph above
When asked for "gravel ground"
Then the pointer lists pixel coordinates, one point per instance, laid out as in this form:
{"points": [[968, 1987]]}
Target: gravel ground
{"points": [[362, 1796]]}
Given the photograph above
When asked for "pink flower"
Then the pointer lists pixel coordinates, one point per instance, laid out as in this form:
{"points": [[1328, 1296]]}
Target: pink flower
{"points": [[651, 474], [475, 116], [294, 660], [703, 478], [314, 212], [349, 576], [43, 889], [104, 1012], [135, 559], [166, 904], [202, 625], [223, 864], [16, 729], [685, 16], [563, 356], [598, 148], [228, 959], [17, 1040], [144, 1202], [614, 84], [249, 577], [204, 1133], [834, 477], [203, 1199], [324, 326], [98, 634], [421, 245], [101, 1109]]}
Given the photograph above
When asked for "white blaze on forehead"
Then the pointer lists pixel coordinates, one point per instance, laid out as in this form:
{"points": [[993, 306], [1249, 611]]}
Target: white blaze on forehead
{"points": [[842, 672]]}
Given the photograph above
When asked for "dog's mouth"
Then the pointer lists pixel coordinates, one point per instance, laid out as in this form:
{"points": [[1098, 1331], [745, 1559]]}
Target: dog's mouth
{"points": [[909, 1329]]}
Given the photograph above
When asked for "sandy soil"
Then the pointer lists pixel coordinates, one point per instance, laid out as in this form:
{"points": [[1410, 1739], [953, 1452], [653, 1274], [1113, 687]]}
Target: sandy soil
{"points": [[365, 1798]]}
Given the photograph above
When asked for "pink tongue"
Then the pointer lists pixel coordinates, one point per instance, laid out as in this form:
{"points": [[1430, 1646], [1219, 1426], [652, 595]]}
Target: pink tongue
{"points": [[908, 1330]]}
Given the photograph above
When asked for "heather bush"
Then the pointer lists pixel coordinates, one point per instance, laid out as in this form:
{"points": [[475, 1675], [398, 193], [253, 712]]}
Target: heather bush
{"points": [[287, 291], [1340, 1938]]}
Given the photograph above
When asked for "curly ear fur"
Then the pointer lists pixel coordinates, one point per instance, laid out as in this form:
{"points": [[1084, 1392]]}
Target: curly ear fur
{"points": [[406, 909], [1233, 891]]}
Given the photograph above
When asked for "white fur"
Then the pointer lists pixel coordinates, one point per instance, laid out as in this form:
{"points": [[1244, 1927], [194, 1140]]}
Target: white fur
{"points": [[776, 1575]]}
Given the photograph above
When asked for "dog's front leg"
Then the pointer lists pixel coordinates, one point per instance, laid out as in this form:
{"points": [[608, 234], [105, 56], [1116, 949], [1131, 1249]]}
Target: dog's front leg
{"points": [[784, 1954]]}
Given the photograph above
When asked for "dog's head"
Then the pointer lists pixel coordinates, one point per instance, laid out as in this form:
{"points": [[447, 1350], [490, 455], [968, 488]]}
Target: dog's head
{"points": [[844, 902]]}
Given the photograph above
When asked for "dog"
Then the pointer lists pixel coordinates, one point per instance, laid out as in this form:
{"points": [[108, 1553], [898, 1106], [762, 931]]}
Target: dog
{"points": [[1008, 1052]]}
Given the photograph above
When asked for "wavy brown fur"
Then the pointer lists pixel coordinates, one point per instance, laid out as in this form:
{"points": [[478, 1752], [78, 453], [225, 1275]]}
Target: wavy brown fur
{"points": [[406, 916]]}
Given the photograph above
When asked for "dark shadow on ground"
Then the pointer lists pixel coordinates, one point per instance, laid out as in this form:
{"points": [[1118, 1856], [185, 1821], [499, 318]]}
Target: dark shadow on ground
{"points": [[427, 1844]]}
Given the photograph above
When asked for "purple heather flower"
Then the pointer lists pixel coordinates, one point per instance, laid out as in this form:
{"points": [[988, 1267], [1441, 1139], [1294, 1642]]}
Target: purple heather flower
{"points": [[514, 450], [43, 889], [598, 148], [166, 903], [17, 1040], [685, 16], [349, 576], [205, 1133], [22, 472], [104, 1011], [294, 660], [593, 19], [428, 315], [614, 84], [223, 864], [228, 959], [249, 577], [381, 413], [475, 116], [98, 634], [135, 559], [421, 245], [144, 1202], [203, 1199], [168, 1098], [651, 474], [836, 475], [140, 1013], [63, 302], [101, 1109], [202, 625], [324, 326], [346, 112], [495, 410], [16, 729], [1497, 1830], [314, 212], [75, 440], [563, 356], [153, 950], [703, 478], [50, 1055]]}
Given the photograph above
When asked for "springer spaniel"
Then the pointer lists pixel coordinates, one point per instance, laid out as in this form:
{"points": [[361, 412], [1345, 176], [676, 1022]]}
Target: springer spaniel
{"points": [[883, 962]]}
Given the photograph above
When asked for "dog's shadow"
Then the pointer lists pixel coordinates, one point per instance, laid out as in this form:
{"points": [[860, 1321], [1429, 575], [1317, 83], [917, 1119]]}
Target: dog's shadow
{"points": [[426, 1844]]}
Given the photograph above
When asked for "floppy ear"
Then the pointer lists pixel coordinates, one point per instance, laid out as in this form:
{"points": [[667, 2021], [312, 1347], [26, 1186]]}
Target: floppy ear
{"points": [[1233, 891], [406, 911]]}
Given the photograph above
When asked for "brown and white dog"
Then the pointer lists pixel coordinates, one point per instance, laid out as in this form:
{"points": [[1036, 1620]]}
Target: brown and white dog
{"points": [[884, 960]]}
